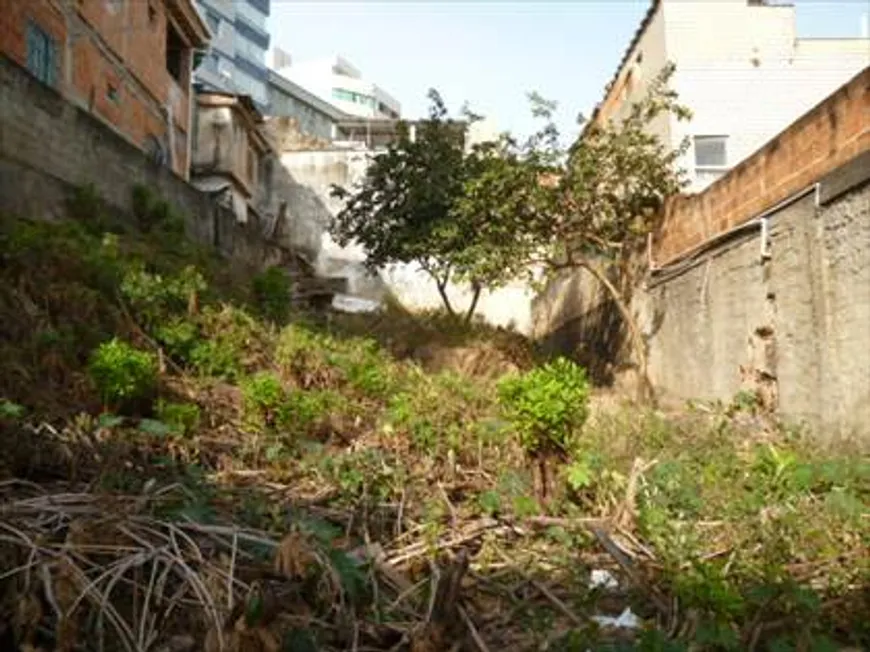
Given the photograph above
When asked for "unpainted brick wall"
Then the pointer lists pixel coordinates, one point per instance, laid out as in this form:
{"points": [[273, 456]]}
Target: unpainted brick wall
{"points": [[48, 146], [834, 132]]}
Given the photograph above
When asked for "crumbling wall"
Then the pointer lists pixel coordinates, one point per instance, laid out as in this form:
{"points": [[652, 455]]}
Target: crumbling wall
{"points": [[788, 318]]}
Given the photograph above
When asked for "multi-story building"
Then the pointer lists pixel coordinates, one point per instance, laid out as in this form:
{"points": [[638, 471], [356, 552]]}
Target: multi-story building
{"points": [[740, 67], [313, 116], [236, 61], [129, 62], [338, 82]]}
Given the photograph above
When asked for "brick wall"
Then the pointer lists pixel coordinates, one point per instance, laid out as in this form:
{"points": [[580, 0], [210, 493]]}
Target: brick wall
{"points": [[112, 61], [831, 134], [48, 146]]}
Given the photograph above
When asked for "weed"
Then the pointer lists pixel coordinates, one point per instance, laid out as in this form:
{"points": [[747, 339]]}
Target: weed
{"points": [[155, 298], [211, 358], [272, 293], [86, 205], [182, 418], [263, 395], [152, 212], [122, 373], [10, 410]]}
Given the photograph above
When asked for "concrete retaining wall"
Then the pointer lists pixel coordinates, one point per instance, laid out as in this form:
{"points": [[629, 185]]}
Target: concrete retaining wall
{"points": [[48, 146], [794, 326]]}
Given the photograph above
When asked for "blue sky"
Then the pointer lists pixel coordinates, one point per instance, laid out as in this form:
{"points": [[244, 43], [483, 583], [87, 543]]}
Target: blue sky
{"points": [[491, 54]]}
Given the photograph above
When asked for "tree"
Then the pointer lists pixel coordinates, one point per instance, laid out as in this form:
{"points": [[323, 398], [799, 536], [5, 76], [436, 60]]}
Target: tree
{"points": [[589, 206], [405, 209]]}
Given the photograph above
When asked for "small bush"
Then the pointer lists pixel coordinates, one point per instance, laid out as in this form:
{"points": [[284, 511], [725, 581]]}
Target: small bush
{"points": [[87, 206], [155, 298], [547, 406], [272, 292], [122, 373], [179, 337], [182, 418], [302, 410], [153, 212], [262, 396]]}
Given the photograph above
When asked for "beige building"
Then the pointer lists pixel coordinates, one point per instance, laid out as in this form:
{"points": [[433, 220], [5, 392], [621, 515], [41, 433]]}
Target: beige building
{"points": [[231, 157], [740, 67]]}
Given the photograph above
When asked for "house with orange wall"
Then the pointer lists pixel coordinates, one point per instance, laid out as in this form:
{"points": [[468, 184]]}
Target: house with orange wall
{"points": [[128, 62]]}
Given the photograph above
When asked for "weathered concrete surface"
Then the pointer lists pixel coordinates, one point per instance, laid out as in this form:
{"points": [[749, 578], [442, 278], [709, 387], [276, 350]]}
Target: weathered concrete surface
{"points": [[48, 146], [795, 327]]}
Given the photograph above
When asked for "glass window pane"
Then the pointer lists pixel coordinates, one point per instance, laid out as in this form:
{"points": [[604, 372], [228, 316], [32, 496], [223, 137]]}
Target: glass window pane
{"points": [[710, 151]]}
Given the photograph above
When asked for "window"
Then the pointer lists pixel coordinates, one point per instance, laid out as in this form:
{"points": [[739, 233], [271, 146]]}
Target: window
{"points": [[175, 51], [41, 54], [710, 151], [112, 93], [711, 158]]}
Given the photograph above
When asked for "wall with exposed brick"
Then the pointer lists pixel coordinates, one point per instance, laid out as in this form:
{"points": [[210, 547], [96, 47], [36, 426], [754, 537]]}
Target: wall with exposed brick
{"points": [[111, 59], [794, 326], [48, 146], [834, 132]]}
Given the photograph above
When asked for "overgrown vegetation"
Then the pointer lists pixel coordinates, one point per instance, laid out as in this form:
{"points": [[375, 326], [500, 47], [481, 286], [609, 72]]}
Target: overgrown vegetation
{"points": [[187, 461]]}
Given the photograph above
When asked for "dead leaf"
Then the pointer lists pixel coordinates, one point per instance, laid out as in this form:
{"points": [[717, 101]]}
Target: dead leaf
{"points": [[293, 556]]}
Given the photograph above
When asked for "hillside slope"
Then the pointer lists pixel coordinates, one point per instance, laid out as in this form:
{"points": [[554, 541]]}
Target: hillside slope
{"points": [[190, 462]]}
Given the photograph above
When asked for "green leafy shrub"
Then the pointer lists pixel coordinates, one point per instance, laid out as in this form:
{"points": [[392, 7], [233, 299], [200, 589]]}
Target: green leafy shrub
{"points": [[86, 205], [182, 418], [122, 373], [151, 211], [155, 298], [547, 406], [272, 293], [211, 358], [179, 337], [262, 396], [302, 410]]}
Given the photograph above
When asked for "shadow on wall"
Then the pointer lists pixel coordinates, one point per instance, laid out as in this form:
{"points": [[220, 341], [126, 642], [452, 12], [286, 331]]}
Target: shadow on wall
{"points": [[575, 317]]}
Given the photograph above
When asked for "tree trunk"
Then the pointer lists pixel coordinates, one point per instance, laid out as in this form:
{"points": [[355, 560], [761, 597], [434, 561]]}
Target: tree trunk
{"points": [[474, 299], [441, 284], [442, 290], [645, 388]]}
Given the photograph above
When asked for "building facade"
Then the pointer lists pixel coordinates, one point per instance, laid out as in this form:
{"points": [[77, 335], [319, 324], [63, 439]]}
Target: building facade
{"points": [[338, 82], [128, 62], [740, 67], [313, 116], [236, 61]]}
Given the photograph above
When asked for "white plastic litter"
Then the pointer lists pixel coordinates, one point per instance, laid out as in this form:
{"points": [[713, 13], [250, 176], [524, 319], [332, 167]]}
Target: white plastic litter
{"points": [[626, 620], [602, 579], [347, 303]]}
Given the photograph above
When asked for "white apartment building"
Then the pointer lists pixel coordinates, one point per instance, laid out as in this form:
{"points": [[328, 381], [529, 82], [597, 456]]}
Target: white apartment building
{"points": [[236, 60], [337, 81], [740, 67]]}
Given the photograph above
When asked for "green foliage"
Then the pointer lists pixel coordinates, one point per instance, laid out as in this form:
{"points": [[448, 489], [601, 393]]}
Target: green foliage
{"points": [[272, 292], [214, 359], [154, 213], [262, 395], [182, 418], [86, 205], [122, 373], [547, 406], [11, 410], [156, 298], [404, 210]]}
